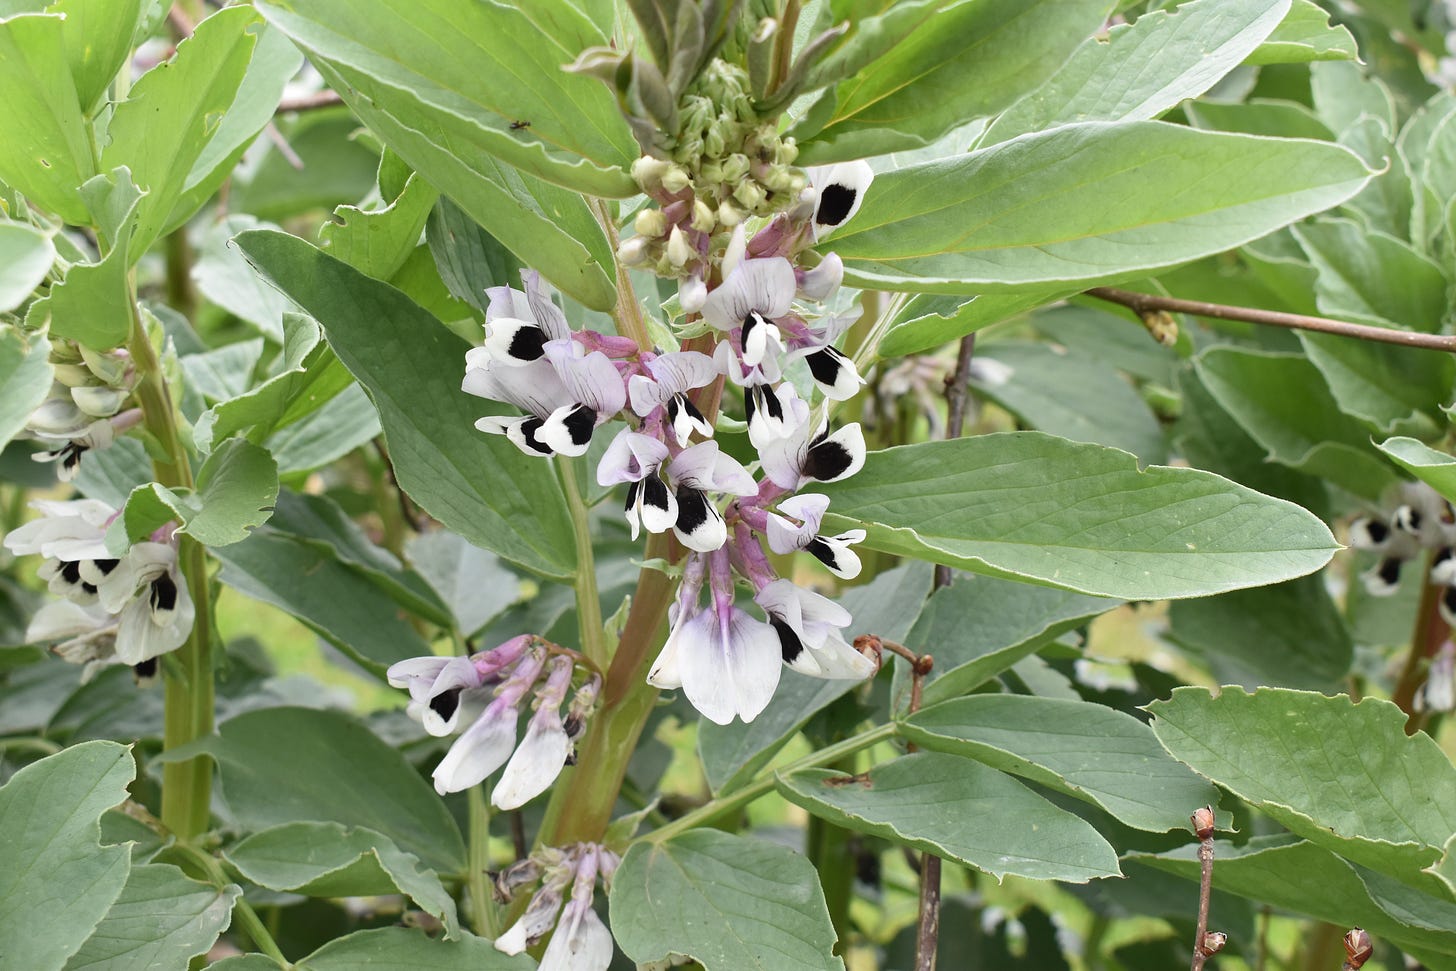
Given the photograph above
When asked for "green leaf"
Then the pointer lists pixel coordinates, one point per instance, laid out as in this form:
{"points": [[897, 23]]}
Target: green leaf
{"points": [[56, 881], [1079, 517], [1385, 204], [330, 860], [397, 948], [161, 920], [732, 903], [1275, 119], [1373, 278], [344, 422], [319, 521], [1300, 877], [1053, 391], [1342, 775], [377, 242], [1436, 469], [26, 255], [45, 153], [1289, 635], [479, 485], [1141, 70], [308, 376], [25, 379], [1342, 92], [340, 604], [930, 320], [967, 61], [469, 259], [473, 583], [227, 279], [732, 754], [1078, 205], [978, 627], [98, 36], [1102, 335], [335, 770], [1396, 390], [236, 489], [473, 71], [174, 109], [1282, 401], [1306, 34], [960, 810], [275, 61], [1095, 753]]}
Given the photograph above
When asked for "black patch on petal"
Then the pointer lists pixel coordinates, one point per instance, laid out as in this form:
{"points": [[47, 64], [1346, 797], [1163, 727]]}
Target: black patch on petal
{"points": [[529, 428], [826, 460], [835, 202], [527, 344], [753, 320], [572, 726], [580, 422], [1389, 571], [824, 553], [1445, 554], [692, 509], [673, 409], [632, 488], [88, 587], [145, 671], [824, 365], [1377, 530], [689, 407], [654, 493], [71, 571], [446, 703], [1448, 601], [1408, 519], [789, 644], [105, 566], [164, 593]]}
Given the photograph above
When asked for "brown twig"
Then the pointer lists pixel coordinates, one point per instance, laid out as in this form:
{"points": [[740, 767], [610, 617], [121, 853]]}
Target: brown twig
{"points": [[1205, 944], [309, 102], [957, 392], [1146, 303], [1431, 631]]}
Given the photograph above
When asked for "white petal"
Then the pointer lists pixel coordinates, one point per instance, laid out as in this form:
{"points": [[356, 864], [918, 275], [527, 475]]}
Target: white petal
{"points": [[703, 669], [692, 293], [766, 286], [545, 312], [139, 638], [840, 662], [534, 923], [590, 379], [1443, 568], [512, 341], [754, 664], [664, 672], [834, 374], [568, 429], [402, 674], [831, 458], [657, 507], [785, 537], [682, 371], [585, 947], [808, 507], [821, 282], [699, 525], [630, 457], [483, 748], [61, 618], [534, 767], [759, 334], [839, 191], [737, 248], [706, 467]]}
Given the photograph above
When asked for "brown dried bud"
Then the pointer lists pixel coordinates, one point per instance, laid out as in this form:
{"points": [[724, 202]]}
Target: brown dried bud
{"points": [[1358, 948], [1203, 823], [1213, 942]]}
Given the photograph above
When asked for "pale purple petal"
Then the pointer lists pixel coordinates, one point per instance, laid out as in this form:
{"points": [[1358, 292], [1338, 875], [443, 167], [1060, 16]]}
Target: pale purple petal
{"points": [[547, 315], [766, 286], [584, 945], [820, 282], [630, 457], [483, 748], [536, 764]]}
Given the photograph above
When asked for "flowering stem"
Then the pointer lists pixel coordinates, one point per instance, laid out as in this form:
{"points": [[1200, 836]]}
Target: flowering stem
{"points": [[588, 601], [764, 783], [484, 915], [188, 704], [627, 315], [1426, 639]]}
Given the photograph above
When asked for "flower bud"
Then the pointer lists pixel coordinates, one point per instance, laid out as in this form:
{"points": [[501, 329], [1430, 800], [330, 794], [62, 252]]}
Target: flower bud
{"points": [[1358, 947], [729, 215], [1203, 823], [735, 167], [650, 222], [633, 251], [1213, 942], [679, 250], [703, 218], [675, 179], [648, 171], [751, 194]]}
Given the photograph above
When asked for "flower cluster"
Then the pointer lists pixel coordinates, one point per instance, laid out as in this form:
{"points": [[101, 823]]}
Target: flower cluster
{"points": [[765, 318], [84, 409], [582, 942], [488, 691], [114, 610]]}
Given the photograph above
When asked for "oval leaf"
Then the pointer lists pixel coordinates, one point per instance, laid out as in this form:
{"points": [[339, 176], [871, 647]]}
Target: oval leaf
{"points": [[161, 920], [1088, 203], [1032, 507], [960, 810]]}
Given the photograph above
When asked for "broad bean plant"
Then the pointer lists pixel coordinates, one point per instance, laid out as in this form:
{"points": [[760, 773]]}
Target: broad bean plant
{"points": [[778, 484]]}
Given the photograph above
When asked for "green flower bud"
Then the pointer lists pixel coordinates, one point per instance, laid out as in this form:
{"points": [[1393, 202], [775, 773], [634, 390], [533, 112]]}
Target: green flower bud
{"points": [[703, 218], [751, 194], [650, 222], [648, 171], [676, 179]]}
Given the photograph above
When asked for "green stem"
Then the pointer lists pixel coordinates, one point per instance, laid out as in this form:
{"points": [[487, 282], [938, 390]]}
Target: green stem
{"points": [[764, 783], [188, 695], [588, 601], [247, 917], [32, 743], [484, 914], [627, 314]]}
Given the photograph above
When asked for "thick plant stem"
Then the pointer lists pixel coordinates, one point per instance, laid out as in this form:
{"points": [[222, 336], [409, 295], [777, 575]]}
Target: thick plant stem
{"points": [[627, 315], [188, 695], [581, 805], [1426, 639], [484, 915], [588, 600]]}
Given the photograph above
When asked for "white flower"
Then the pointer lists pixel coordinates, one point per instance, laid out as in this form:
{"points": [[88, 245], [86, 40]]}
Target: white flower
{"points": [[518, 325], [538, 919], [483, 748], [634, 458], [72, 530], [808, 627], [796, 459], [149, 594], [597, 394], [750, 298], [695, 473], [436, 685], [820, 283], [833, 551], [838, 192], [87, 634], [534, 387], [673, 376], [543, 754]]}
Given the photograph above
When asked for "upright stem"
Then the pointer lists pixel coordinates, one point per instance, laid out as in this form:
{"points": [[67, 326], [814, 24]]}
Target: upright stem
{"points": [[628, 313], [588, 601], [484, 916], [1426, 639], [188, 695]]}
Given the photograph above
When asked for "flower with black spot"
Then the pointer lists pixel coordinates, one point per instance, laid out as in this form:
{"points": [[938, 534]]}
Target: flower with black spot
{"points": [[784, 536]]}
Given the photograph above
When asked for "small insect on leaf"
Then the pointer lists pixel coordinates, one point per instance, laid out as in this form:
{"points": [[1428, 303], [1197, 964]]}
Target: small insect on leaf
{"points": [[518, 125]]}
